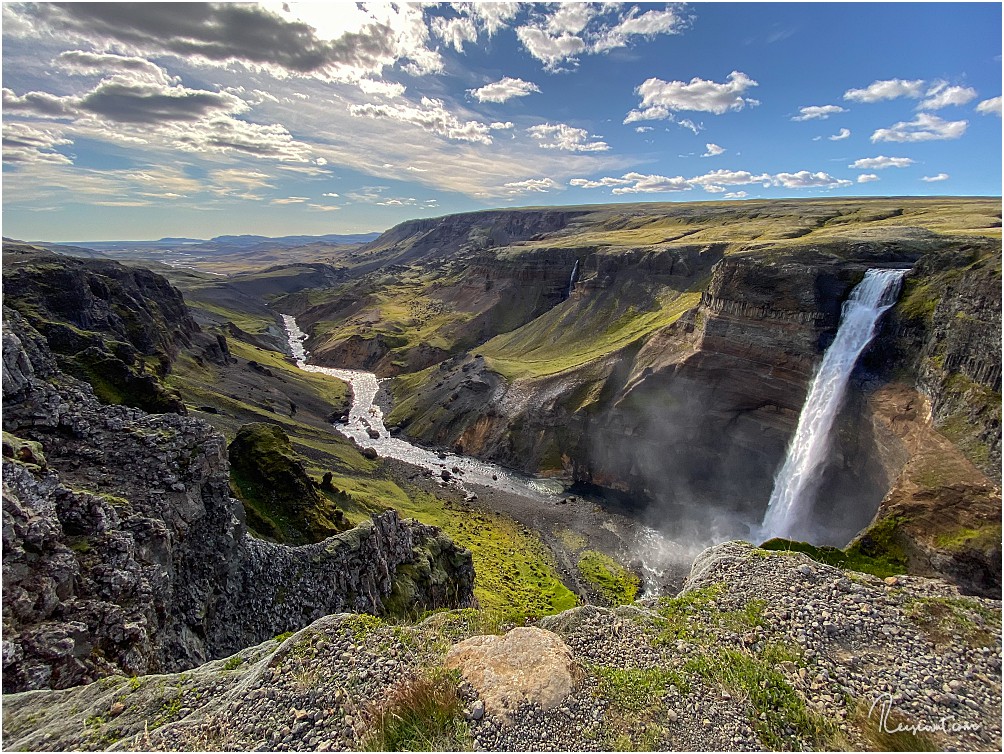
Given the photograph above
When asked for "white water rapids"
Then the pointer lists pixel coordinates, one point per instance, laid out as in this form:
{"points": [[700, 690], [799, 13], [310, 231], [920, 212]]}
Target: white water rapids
{"points": [[366, 419], [789, 512]]}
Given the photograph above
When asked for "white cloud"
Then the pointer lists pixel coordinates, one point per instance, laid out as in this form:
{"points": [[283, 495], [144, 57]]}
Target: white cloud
{"points": [[552, 51], [586, 183], [531, 185], [818, 112], [499, 125], [455, 31], [378, 86], [689, 124], [806, 179], [504, 90], [880, 163], [291, 200], [391, 201], [990, 107], [840, 135], [887, 89], [653, 184], [643, 129], [324, 207], [559, 33], [570, 18], [647, 24], [659, 98], [491, 17], [713, 150], [431, 116], [713, 182], [730, 178], [735, 195], [867, 178], [925, 127], [936, 178], [331, 195], [942, 95], [568, 138]]}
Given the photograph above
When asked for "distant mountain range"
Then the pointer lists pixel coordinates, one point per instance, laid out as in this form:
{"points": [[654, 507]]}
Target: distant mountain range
{"points": [[220, 242]]}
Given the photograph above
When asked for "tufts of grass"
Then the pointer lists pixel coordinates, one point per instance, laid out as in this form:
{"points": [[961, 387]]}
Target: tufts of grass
{"points": [[615, 583], [887, 733], [422, 713], [778, 713], [636, 689]]}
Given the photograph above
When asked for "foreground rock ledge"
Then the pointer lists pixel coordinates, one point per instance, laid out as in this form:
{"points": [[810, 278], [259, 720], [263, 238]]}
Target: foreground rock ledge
{"points": [[657, 675]]}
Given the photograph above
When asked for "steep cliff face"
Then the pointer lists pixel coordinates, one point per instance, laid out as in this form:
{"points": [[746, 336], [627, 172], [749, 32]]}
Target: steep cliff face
{"points": [[405, 319], [124, 552], [118, 328], [693, 417]]}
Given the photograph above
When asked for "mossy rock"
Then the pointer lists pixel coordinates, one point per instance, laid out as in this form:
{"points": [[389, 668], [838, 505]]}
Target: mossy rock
{"points": [[280, 499], [876, 551]]}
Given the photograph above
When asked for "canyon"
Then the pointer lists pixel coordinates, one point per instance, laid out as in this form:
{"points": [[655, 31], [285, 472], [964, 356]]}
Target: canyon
{"points": [[628, 368]]}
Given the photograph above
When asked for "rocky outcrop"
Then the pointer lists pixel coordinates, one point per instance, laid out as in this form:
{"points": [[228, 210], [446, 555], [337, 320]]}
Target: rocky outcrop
{"points": [[118, 328], [279, 498], [761, 651], [125, 553], [526, 666]]}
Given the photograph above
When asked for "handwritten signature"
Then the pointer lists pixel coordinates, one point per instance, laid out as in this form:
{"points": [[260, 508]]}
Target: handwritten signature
{"points": [[947, 724]]}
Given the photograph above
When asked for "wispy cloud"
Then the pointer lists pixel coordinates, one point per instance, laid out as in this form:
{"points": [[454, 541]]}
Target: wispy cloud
{"points": [[925, 127]]}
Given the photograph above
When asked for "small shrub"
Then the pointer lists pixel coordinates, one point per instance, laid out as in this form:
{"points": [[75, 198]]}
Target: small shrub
{"points": [[422, 713]]}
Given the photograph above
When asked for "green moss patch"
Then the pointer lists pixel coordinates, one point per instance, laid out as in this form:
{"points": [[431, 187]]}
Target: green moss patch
{"points": [[876, 551], [269, 478], [615, 583]]}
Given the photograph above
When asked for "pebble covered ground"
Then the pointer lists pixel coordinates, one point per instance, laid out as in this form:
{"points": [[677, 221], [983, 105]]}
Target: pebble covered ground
{"points": [[761, 650]]}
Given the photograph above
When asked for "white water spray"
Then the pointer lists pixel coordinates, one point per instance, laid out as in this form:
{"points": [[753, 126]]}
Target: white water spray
{"points": [[789, 511]]}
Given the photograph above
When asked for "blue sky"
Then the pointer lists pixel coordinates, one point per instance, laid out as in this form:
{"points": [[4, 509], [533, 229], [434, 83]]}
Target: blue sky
{"points": [[137, 121]]}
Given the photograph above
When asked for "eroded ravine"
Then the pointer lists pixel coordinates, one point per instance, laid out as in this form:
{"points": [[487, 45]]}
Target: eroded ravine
{"points": [[537, 503]]}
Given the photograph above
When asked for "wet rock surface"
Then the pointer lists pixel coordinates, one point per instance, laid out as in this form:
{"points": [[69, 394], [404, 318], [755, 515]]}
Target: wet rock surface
{"points": [[760, 650]]}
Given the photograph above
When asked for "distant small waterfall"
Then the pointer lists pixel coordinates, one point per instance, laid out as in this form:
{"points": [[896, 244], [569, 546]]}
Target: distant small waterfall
{"points": [[573, 278], [789, 511]]}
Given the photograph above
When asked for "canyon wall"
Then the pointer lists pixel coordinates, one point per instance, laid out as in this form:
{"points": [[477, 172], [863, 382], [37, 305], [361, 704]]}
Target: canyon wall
{"points": [[124, 552]]}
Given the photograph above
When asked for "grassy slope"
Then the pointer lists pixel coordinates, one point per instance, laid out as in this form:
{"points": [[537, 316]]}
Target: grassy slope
{"points": [[556, 341]]}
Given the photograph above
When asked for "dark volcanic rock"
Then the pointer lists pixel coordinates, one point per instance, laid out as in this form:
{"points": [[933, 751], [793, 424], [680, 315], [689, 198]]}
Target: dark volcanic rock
{"points": [[118, 328], [127, 554]]}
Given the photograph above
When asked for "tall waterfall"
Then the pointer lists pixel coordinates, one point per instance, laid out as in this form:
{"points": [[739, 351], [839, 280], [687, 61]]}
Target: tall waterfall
{"points": [[573, 278], [795, 487]]}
